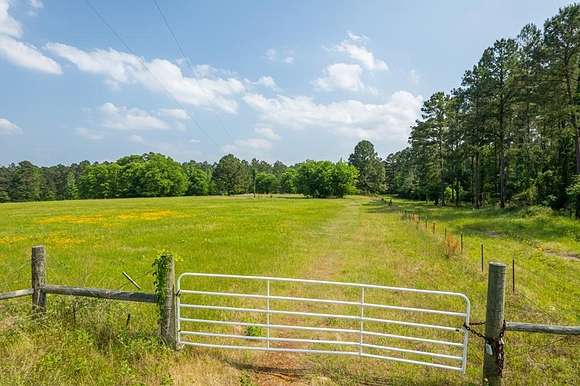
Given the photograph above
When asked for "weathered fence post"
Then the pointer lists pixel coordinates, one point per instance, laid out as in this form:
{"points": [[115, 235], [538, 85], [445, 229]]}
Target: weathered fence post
{"points": [[494, 324], [461, 242], [167, 326], [38, 270]]}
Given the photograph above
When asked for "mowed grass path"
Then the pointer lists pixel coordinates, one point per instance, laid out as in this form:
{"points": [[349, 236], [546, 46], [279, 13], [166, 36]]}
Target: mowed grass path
{"points": [[358, 239]]}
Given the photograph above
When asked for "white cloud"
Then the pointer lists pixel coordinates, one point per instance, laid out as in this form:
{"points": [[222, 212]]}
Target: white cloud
{"points": [[208, 71], [136, 139], [351, 118], [284, 56], [8, 128], [178, 114], [354, 46], [19, 52], [91, 135], [341, 76], [267, 81], [193, 140], [158, 75], [37, 4], [26, 55], [116, 117], [125, 118], [267, 133], [8, 25]]}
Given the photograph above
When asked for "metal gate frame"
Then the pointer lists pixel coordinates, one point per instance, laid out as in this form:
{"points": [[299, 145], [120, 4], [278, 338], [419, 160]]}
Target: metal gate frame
{"points": [[361, 318]]}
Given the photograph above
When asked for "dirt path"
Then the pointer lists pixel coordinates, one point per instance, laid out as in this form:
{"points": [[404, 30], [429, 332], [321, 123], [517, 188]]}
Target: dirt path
{"points": [[326, 246], [277, 368]]}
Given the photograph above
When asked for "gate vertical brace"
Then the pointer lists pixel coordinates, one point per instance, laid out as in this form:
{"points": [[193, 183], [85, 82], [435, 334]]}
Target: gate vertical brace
{"points": [[38, 271], [268, 312], [362, 315], [494, 319]]}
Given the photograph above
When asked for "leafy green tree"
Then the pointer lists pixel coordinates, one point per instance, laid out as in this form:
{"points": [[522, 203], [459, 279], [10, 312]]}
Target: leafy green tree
{"points": [[26, 182], [371, 171], [289, 181], [71, 189], [231, 176], [6, 175], [344, 178], [100, 181], [279, 168], [266, 183], [321, 179], [199, 179]]}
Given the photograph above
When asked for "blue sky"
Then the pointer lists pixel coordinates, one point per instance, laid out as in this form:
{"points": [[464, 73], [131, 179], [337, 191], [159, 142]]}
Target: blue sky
{"points": [[284, 80]]}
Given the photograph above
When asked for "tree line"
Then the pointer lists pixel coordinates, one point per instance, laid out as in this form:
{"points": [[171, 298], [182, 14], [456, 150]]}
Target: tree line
{"points": [[156, 175], [510, 133]]}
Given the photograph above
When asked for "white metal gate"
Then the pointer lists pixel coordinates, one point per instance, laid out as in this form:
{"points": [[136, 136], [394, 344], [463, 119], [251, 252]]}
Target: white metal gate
{"points": [[214, 318]]}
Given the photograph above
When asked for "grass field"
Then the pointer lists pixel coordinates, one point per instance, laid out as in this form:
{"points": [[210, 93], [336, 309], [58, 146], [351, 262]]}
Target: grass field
{"points": [[358, 239]]}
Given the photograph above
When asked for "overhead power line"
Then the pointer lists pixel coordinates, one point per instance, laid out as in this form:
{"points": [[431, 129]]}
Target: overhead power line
{"points": [[185, 56], [144, 64]]}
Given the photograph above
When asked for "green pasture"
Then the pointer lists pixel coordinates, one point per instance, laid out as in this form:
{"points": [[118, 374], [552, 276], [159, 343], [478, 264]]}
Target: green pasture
{"points": [[358, 239]]}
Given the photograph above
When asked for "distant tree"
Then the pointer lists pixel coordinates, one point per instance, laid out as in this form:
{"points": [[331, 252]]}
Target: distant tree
{"points": [[322, 179], [266, 183], [231, 176], [100, 181], [344, 177], [162, 176], [6, 175], [199, 179], [26, 182], [288, 181], [71, 189], [279, 168], [371, 172], [261, 166]]}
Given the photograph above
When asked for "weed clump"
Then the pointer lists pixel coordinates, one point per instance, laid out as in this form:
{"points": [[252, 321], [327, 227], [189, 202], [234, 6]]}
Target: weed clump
{"points": [[451, 245]]}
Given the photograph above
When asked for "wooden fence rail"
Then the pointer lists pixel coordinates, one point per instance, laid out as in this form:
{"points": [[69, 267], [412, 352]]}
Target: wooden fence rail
{"points": [[542, 328], [16, 294], [100, 293], [40, 289]]}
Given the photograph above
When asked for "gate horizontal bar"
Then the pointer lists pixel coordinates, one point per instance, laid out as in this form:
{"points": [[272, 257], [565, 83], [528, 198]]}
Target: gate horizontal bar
{"points": [[321, 329], [338, 283], [297, 350], [326, 301], [321, 315], [321, 341]]}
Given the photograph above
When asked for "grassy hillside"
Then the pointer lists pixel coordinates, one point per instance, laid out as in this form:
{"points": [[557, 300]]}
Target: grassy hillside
{"points": [[90, 243]]}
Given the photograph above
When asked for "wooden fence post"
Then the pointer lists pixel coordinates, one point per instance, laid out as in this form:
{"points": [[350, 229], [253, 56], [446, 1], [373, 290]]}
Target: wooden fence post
{"points": [[168, 328], [38, 270], [461, 242], [494, 322]]}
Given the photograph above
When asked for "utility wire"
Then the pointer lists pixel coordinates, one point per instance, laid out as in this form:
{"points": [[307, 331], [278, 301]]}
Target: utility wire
{"points": [[185, 56], [126, 46]]}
